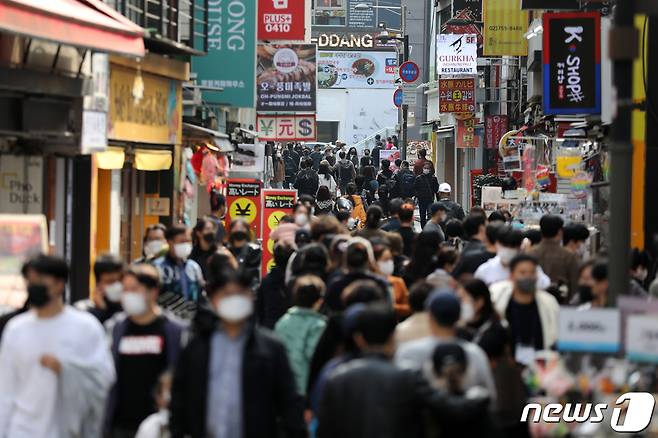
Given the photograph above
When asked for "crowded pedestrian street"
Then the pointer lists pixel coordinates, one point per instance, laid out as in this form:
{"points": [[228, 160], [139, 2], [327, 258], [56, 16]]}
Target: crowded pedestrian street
{"points": [[328, 218]]}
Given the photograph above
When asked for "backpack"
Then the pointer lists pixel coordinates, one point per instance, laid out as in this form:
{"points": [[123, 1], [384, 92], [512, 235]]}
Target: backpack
{"points": [[304, 181], [389, 182], [345, 172], [407, 179]]}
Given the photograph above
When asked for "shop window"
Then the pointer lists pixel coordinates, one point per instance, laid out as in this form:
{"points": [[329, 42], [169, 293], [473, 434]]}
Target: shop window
{"points": [[330, 12], [327, 131]]}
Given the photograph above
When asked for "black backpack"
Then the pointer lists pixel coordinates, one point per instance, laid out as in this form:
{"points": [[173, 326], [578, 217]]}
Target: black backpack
{"points": [[345, 172], [407, 180]]}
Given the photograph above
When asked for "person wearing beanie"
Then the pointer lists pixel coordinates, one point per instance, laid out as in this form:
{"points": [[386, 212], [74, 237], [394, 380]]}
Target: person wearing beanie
{"points": [[444, 309]]}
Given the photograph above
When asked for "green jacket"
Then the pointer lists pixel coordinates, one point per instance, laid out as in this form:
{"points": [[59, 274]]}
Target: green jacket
{"points": [[300, 330]]}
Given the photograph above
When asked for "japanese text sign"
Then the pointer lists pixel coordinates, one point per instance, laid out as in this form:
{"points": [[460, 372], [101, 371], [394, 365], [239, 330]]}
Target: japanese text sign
{"points": [[276, 204], [572, 63], [594, 330], [281, 19], [243, 202], [456, 54], [456, 95], [298, 127], [495, 126], [286, 79]]}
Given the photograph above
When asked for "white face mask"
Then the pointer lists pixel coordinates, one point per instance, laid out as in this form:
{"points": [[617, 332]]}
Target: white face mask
{"points": [[235, 308], [133, 303], [426, 171], [642, 274], [183, 250], [467, 312], [153, 248], [113, 292], [301, 219], [506, 254], [386, 267]]}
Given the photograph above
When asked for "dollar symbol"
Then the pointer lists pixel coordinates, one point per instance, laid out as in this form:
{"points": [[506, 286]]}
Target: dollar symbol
{"points": [[305, 128]]}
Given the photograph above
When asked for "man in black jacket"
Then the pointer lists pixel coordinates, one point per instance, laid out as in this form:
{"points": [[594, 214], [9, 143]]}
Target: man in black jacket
{"points": [[426, 188], [233, 379], [273, 299], [307, 180], [371, 397]]}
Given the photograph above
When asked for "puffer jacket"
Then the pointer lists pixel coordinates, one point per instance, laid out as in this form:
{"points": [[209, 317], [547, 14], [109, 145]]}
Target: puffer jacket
{"points": [[300, 330]]}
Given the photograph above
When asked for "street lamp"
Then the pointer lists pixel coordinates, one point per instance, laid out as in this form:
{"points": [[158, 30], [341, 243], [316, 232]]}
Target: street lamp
{"points": [[385, 37]]}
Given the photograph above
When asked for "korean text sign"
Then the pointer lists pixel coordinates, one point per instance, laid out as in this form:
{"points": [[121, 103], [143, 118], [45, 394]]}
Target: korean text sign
{"points": [[231, 60], [276, 204], [456, 95], [298, 127], [286, 78], [495, 126], [456, 54], [572, 63], [352, 69], [281, 19], [466, 132], [243, 202]]}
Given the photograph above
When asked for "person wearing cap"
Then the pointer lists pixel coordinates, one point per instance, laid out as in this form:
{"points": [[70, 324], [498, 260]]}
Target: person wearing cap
{"points": [[445, 310], [425, 186], [438, 213], [455, 211]]}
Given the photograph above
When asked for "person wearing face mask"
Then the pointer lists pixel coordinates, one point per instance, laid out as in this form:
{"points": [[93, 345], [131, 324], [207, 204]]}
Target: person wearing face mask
{"points": [[233, 378], [247, 254], [640, 263], [145, 343], [180, 276], [48, 353], [574, 239], [426, 188], [532, 313], [508, 246], [204, 243], [385, 268], [106, 298], [154, 244], [279, 175]]}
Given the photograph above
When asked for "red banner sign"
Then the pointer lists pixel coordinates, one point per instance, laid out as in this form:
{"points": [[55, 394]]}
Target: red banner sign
{"points": [[494, 128], [299, 127], [456, 95], [281, 19], [276, 204], [466, 133], [243, 201]]}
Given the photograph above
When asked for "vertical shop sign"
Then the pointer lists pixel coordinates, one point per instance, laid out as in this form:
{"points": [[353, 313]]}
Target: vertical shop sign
{"points": [[276, 204], [495, 126], [243, 202], [231, 60], [287, 77], [505, 25], [281, 20], [572, 63], [466, 132]]}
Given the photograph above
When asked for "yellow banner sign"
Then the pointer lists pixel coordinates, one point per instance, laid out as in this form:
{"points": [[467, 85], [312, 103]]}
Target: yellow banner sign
{"points": [[156, 117], [505, 25]]}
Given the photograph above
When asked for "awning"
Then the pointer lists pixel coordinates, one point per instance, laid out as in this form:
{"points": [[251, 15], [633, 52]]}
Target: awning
{"points": [[150, 159], [220, 139], [110, 159], [89, 24]]}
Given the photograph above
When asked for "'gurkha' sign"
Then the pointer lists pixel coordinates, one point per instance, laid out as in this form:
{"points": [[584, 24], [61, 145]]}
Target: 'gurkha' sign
{"points": [[572, 63]]}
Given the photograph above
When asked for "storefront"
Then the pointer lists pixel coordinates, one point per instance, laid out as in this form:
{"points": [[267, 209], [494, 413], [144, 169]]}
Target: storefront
{"points": [[137, 176]]}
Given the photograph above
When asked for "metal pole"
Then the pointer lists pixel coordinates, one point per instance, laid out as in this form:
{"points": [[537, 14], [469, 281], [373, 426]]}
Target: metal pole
{"points": [[621, 149], [405, 108]]}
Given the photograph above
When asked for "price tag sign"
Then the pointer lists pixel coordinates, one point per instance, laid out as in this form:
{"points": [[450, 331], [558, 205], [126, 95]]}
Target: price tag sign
{"points": [[593, 330], [642, 338]]}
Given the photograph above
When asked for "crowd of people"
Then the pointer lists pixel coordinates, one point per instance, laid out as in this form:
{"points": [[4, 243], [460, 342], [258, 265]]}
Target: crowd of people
{"points": [[368, 325]]}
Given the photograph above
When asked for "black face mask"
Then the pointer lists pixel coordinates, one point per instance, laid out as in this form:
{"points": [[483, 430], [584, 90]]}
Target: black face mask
{"points": [[238, 236], [37, 295], [585, 293], [209, 237]]}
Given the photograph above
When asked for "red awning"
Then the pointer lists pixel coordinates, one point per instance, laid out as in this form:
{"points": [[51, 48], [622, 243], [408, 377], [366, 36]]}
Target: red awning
{"points": [[83, 23]]}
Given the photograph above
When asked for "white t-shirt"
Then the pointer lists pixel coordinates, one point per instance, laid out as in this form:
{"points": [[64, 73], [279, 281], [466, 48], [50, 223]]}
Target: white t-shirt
{"points": [[28, 391], [328, 181], [493, 271]]}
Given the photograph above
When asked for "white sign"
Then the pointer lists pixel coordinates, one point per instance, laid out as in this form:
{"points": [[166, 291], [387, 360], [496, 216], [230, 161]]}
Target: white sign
{"points": [[21, 184], [356, 69], [248, 158], [456, 54], [592, 330], [94, 131], [642, 338]]}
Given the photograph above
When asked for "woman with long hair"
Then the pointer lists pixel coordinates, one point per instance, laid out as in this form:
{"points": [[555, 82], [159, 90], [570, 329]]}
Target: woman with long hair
{"points": [[424, 258], [353, 156], [324, 203], [326, 178], [204, 243]]}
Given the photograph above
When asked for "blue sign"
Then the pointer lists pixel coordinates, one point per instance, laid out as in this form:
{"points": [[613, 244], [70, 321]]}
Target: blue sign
{"points": [[409, 71], [397, 97]]}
